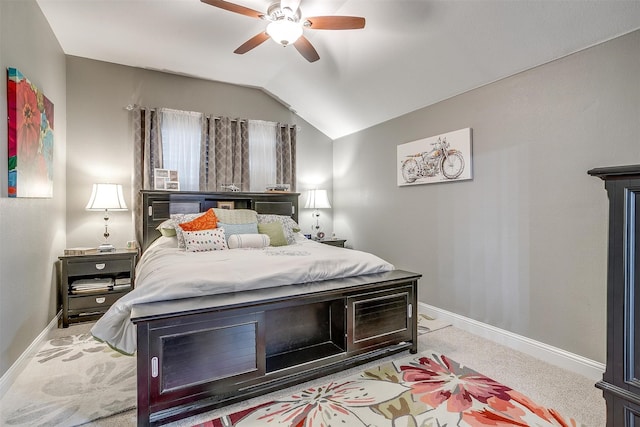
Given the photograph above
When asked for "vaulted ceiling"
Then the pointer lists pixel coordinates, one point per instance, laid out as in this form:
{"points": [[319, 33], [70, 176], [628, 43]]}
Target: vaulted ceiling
{"points": [[412, 53]]}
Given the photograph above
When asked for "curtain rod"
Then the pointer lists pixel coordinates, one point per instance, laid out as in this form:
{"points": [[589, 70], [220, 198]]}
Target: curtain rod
{"points": [[130, 107]]}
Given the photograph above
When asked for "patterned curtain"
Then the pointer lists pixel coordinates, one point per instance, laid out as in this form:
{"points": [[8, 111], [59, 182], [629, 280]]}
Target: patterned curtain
{"points": [[147, 155], [225, 155], [286, 155]]}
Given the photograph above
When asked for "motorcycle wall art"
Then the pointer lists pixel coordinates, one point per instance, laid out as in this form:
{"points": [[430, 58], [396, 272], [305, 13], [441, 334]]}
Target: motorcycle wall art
{"points": [[440, 158]]}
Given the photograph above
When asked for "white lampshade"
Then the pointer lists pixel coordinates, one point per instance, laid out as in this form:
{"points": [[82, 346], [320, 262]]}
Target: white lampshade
{"points": [[284, 31], [317, 199], [106, 196]]}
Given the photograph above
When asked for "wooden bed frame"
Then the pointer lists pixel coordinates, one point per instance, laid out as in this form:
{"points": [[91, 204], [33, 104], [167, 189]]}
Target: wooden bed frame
{"points": [[198, 354]]}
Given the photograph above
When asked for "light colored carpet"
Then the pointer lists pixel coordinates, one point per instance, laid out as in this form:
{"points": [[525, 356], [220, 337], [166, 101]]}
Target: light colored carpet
{"points": [[571, 394], [73, 379], [427, 323]]}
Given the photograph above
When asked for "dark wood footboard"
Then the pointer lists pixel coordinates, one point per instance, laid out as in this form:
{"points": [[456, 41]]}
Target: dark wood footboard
{"points": [[198, 354]]}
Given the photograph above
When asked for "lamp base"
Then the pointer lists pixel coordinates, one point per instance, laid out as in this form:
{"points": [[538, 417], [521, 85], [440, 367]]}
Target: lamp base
{"points": [[106, 247]]}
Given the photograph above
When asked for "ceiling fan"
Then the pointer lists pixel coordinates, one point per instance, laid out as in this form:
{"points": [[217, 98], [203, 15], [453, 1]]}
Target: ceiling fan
{"points": [[286, 25]]}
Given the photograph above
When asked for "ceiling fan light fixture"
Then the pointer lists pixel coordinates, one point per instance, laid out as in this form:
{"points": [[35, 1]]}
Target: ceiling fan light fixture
{"points": [[284, 31]]}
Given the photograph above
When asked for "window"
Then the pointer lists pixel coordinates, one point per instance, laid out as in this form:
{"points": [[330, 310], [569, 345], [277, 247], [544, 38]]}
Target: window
{"points": [[262, 154], [212, 152], [181, 136]]}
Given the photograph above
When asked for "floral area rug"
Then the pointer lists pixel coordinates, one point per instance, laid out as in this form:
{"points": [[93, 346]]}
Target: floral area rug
{"points": [[430, 390], [72, 380]]}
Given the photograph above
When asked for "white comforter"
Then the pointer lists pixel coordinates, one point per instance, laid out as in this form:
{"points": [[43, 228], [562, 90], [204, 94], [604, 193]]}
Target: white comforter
{"points": [[166, 272]]}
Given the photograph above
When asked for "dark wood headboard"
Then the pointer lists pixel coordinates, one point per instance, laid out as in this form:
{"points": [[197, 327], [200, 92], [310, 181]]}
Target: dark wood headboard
{"points": [[159, 205]]}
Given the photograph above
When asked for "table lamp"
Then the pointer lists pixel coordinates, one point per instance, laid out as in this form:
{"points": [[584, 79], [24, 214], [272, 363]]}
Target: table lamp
{"points": [[317, 199], [106, 197]]}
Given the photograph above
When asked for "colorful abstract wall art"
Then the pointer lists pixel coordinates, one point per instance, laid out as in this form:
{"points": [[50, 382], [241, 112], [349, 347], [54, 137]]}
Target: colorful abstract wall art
{"points": [[30, 138]]}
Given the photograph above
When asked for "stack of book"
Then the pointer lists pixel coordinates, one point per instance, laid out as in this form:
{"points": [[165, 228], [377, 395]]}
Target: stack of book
{"points": [[80, 251], [100, 284], [87, 286], [122, 283]]}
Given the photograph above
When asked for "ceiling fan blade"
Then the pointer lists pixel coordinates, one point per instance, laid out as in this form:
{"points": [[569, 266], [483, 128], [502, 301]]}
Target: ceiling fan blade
{"points": [[232, 7], [306, 49], [335, 22], [254, 41]]}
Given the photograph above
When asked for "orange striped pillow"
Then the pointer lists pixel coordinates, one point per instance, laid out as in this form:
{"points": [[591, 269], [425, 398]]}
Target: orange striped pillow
{"points": [[203, 222]]}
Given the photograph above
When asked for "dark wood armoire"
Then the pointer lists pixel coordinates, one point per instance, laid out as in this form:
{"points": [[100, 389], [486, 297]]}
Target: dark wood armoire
{"points": [[621, 381]]}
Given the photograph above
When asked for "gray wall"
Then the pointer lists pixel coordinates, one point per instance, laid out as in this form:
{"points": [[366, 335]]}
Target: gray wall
{"points": [[523, 245], [32, 231], [100, 140]]}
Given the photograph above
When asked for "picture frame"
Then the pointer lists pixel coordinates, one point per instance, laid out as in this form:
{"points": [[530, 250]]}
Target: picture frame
{"points": [[159, 178], [165, 179], [161, 173], [172, 185], [158, 183], [442, 158], [226, 205]]}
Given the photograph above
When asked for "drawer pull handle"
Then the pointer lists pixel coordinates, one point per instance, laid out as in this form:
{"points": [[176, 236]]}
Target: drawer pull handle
{"points": [[154, 367], [100, 266], [100, 300]]}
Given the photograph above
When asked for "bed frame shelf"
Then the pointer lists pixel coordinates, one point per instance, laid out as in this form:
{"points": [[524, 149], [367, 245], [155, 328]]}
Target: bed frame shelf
{"points": [[301, 356]]}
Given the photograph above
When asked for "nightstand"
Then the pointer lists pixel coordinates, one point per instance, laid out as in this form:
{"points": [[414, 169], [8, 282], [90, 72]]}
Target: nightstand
{"points": [[90, 284], [334, 242]]}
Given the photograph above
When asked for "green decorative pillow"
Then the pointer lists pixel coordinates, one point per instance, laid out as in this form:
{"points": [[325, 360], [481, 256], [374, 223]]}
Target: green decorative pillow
{"points": [[289, 226], [275, 232], [168, 232]]}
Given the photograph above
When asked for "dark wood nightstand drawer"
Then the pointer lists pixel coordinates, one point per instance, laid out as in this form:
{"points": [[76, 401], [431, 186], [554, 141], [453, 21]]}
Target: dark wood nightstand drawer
{"points": [[85, 268], [77, 302]]}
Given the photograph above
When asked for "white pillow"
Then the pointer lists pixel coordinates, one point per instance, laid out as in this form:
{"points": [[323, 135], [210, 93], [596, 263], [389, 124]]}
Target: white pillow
{"points": [[205, 240], [255, 241]]}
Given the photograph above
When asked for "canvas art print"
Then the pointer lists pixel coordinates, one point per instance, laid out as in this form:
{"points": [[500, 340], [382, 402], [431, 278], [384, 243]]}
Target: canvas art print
{"points": [[30, 138], [441, 158]]}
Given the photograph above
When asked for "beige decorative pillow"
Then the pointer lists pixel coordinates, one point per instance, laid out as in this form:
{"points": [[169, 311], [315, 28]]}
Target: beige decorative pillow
{"points": [[236, 216]]}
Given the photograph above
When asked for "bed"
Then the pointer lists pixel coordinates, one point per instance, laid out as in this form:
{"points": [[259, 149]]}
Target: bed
{"points": [[215, 327]]}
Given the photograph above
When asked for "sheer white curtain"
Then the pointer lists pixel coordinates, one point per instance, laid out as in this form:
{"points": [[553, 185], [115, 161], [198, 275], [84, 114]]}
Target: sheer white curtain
{"points": [[262, 154], [181, 136]]}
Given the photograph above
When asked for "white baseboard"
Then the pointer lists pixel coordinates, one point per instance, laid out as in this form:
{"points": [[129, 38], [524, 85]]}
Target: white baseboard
{"points": [[556, 356], [18, 366]]}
